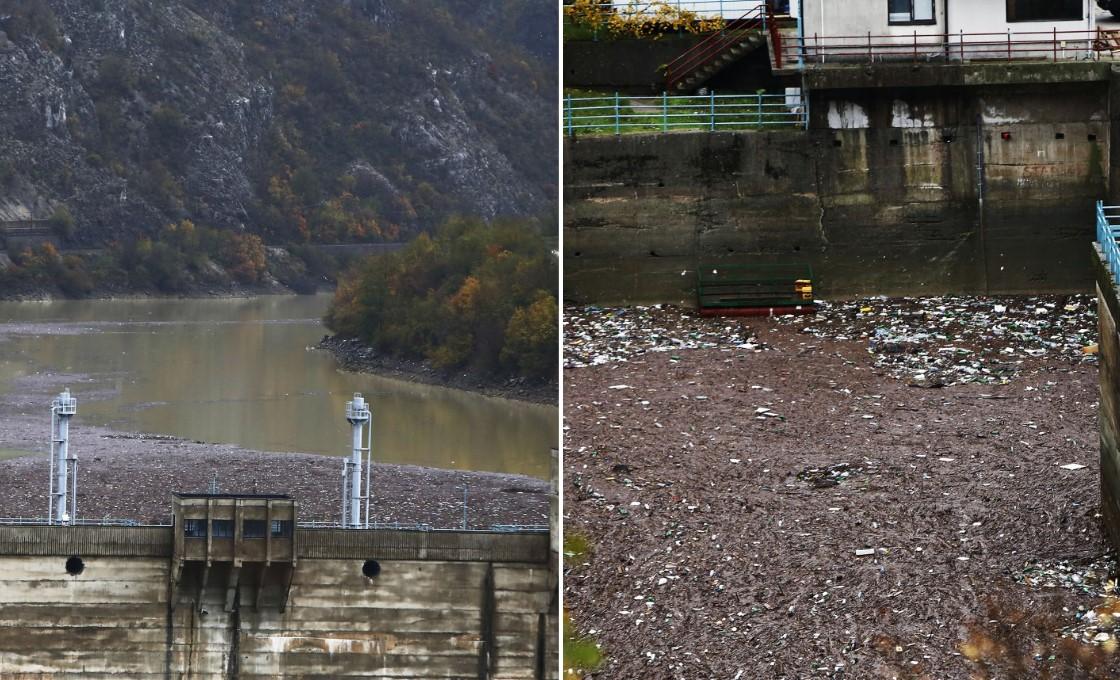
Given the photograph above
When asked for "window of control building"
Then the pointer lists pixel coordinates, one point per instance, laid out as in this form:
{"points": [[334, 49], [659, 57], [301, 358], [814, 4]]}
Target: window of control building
{"points": [[1045, 10], [254, 528], [223, 528], [194, 528], [281, 528], [910, 12]]}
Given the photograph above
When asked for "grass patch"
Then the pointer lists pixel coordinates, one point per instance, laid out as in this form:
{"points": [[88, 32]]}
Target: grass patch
{"points": [[16, 453], [581, 654], [577, 549]]}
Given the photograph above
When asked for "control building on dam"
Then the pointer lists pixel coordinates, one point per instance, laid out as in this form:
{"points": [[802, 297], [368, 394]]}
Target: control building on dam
{"points": [[957, 149]]}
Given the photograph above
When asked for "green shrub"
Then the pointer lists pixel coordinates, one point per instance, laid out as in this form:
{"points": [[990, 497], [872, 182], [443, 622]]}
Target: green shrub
{"points": [[476, 295], [62, 223]]}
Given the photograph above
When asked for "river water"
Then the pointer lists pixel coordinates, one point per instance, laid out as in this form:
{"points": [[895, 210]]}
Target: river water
{"points": [[241, 371]]}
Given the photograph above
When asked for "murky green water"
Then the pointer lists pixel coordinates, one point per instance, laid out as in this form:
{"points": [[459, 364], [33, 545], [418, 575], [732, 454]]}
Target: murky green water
{"points": [[240, 372]]}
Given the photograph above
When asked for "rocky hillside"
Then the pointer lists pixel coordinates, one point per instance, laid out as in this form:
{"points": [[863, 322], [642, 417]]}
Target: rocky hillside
{"points": [[300, 122]]}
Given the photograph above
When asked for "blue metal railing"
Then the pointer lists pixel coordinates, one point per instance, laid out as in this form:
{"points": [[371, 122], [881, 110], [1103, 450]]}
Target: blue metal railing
{"points": [[624, 115], [1108, 230]]}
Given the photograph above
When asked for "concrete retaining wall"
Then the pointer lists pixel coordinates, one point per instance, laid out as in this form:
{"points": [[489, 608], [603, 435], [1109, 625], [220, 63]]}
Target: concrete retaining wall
{"points": [[445, 605], [634, 66], [881, 196], [1108, 306]]}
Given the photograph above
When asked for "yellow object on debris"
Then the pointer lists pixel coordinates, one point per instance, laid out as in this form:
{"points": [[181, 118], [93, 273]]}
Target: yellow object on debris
{"points": [[1091, 349]]}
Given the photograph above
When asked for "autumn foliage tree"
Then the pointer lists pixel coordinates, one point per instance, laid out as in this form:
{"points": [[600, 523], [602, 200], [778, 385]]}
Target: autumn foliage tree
{"points": [[476, 295]]}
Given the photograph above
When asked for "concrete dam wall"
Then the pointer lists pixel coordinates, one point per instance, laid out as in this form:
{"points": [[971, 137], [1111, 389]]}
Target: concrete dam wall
{"points": [[892, 190], [1108, 308], [440, 605]]}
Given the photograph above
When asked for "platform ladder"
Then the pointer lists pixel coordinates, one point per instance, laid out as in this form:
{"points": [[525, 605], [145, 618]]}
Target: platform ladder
{"points": [[1108, 231]]}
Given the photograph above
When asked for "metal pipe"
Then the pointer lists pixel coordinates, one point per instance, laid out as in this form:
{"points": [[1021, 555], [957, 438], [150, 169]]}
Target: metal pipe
{"points": [[369, 469], [61, 482], [50, 478], [345, 494], [356, 472], [74, 491]]}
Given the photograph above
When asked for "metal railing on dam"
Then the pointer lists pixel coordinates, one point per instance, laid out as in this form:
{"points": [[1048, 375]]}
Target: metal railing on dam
{"points": [[311, 524], [616, 114], [313, 542]]}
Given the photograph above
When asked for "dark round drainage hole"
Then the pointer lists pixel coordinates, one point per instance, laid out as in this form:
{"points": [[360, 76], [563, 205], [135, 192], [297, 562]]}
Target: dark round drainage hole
{"points": [[75, 566]]}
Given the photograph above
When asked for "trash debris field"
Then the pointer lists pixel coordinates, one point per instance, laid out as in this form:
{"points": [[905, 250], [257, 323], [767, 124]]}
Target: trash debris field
{"points": [[903, 488]]}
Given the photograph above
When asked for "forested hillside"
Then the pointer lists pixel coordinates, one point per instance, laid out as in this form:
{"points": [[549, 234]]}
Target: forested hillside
{"points": [[474, 296], [283, 122]]}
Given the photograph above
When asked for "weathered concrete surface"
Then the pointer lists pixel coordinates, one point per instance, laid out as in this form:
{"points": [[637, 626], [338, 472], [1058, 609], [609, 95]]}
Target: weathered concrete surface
{"points": [[1108, 306], [976, 73], [881, 196], [444, 605]]}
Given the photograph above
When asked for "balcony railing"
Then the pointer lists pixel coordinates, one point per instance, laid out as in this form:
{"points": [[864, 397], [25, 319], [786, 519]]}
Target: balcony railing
{"points": [[616, 115], [1052, 45]]}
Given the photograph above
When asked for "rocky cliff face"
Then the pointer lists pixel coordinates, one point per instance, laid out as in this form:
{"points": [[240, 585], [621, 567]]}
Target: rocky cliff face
{"points": [[325, 121]]}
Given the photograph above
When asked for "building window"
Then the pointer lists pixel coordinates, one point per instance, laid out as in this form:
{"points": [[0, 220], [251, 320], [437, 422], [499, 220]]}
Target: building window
{"points": [[254, 528], [281, 528], [910, 12], [1045, 10], [223, 528], [194, 528]]}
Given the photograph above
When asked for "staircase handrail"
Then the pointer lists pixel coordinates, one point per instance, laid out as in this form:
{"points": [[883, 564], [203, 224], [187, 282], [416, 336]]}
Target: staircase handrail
{"points": [[711, 47]]}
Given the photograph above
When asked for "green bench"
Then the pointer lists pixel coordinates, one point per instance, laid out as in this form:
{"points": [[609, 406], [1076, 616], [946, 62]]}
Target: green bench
{"points": [[754, 289]]}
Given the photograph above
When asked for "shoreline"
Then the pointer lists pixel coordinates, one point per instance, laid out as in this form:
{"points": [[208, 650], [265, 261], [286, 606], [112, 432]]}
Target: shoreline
{"points": [[355, 356], [217, 293]]}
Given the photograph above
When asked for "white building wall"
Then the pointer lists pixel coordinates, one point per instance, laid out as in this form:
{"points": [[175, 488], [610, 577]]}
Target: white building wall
{"points": [[858, 17], [848, 22], [990, 16]]}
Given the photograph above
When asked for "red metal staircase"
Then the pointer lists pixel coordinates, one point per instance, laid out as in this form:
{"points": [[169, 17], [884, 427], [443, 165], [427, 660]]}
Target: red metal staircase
{"points": [[738, 38]]}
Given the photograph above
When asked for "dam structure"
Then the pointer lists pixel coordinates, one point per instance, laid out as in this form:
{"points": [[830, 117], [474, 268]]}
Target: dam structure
{"points": [[237, 586], [912, 160]]}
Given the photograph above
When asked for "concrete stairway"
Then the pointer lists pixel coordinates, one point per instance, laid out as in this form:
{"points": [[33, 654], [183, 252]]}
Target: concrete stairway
{"points": [[733, 53]]}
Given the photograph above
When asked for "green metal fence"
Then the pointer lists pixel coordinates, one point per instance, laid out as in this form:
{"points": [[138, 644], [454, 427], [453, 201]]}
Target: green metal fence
{"points": [[617, 114]]}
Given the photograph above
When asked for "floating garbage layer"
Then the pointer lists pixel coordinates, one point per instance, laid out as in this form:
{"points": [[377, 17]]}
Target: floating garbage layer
{"points": [[929, 342], [601, 335], [938, 341], [798, 511]]}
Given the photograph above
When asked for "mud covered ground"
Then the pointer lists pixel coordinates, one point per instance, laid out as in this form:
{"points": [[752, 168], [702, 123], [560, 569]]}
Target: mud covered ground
{"points": [[874, 492], [131, 475]]}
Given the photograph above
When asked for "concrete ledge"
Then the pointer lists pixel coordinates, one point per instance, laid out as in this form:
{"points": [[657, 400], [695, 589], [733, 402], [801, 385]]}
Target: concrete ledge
{"points": [[909, 74], [422, 545], [445, 546], [88, 541]]}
